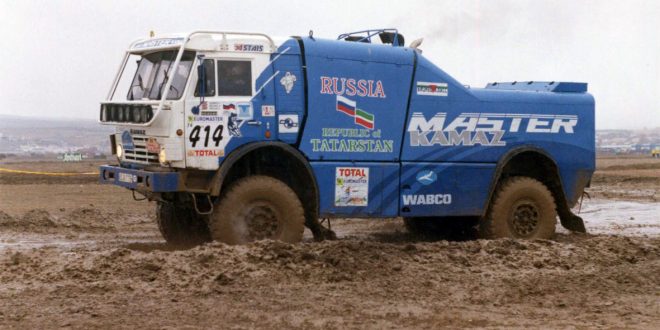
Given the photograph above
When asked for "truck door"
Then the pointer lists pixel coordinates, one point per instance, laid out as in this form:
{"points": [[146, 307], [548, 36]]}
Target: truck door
{"points": [[357, 101], [353, 130], [223, 116]]}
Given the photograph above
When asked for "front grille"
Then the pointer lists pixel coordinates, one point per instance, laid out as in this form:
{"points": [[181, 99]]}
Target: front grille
{"points": [[126, 113], [140, 154]]}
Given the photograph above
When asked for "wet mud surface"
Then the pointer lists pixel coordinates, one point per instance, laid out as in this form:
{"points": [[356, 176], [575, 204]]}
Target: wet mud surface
{"points": [[80, 255]]}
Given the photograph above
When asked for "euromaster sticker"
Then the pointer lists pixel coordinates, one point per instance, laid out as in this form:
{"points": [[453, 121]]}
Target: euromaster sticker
{"points": [[352, 186]]}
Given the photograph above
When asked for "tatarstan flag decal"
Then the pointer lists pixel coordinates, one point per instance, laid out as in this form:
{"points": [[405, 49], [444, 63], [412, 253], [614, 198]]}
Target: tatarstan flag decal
{"points": [[361, 117], [364, 119]]}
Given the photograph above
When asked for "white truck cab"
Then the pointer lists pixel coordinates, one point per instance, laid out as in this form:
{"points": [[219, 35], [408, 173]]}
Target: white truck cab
{"points": [[164, 116]]}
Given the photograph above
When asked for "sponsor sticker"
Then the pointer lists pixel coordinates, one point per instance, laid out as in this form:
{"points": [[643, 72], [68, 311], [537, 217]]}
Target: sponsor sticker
{"points": [[153, 146], [206, 153], [428, 199], [158, 43], [248, 48], [268, 111], [483, 129], [127, 141], [127, 178], [245, 111], [426, 177], [351, 186], [288, 123], [288, 82], [432, 88]]}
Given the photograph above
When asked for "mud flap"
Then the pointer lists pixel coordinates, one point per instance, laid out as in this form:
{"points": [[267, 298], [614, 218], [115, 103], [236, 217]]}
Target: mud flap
{"points": [[320, 232], [572, 222]]}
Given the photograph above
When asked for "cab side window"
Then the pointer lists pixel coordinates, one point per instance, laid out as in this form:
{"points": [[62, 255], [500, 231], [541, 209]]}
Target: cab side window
{"points": [[209, 79], [234, 78]]}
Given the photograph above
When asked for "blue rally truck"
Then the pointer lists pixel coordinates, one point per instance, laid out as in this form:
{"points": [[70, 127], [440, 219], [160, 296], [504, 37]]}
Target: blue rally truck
{"points": [[238, 137]]}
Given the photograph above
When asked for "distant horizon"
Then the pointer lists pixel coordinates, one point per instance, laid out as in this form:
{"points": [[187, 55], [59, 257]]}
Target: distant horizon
{"points": [[29, 116]]}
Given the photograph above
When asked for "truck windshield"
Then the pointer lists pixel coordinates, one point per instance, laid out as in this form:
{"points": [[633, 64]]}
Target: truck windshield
{"points": [[154, 70]]}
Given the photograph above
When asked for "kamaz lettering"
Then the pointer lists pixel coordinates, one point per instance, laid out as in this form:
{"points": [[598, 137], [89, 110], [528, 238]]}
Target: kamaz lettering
{"points": [[486, 129], [347, 128]]}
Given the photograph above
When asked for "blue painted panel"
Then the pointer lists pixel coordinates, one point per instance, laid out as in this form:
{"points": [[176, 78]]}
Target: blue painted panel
{"points": [[358, 95], [270, 92], [345, 192], [444, 189], [152, 181], [459, 124]]}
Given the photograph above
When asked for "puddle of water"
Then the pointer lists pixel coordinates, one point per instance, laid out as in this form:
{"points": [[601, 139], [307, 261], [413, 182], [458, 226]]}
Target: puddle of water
{"points": [[629, 218]]}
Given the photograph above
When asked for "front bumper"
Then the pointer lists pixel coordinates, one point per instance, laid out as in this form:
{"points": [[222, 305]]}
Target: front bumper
{"points": [[139, 180]]}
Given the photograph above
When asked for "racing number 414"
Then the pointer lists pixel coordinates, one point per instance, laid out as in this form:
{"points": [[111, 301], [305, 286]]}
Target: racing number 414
{"points": [[216, 136]]}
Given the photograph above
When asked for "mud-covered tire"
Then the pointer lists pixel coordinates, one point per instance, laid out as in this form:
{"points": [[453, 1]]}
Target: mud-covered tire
{"points": [[522, 207], [255, 208], [181, 226]]}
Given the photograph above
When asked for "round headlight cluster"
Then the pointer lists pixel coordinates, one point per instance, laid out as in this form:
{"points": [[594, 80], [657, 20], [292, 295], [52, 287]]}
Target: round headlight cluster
{"points": [[162, 156], [119, 151]]}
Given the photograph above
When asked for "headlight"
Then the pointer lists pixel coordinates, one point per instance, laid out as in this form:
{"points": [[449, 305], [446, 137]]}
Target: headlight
{"points": [[119, 151], [162, 156]]}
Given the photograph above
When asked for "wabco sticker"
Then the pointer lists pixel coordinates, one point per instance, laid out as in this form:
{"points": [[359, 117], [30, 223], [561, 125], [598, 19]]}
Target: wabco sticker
{"points": [[288, 123], [360, 117], [288, 82], [248, 48], [268, 111], [245, 111], [426, 177], [432, 88], [429, 199], [352, 186], [485, 129]]}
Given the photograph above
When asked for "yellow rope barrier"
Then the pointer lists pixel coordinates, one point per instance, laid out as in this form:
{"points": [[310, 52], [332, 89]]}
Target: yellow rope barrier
{"points": [[48, 173]]}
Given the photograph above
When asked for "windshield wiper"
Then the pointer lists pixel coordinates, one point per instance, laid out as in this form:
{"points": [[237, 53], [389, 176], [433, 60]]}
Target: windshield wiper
{"points": [[165, 79], [162, 83]]}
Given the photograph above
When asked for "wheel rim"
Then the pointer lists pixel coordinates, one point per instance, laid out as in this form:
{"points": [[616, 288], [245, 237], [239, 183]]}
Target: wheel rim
{"points": [[525, 218], [261, 220]]}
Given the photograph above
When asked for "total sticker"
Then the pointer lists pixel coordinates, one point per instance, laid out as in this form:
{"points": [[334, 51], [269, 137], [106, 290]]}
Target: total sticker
{"points": [[268, 111], [352, 186]]}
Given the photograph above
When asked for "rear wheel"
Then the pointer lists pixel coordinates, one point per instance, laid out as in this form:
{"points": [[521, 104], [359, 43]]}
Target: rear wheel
{"points": [[255, 208], [181, 226], [523, 207]]}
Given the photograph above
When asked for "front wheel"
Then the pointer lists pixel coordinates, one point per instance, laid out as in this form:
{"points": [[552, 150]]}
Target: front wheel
{"points": [[523, 207], [181, 226], [255, 208]]}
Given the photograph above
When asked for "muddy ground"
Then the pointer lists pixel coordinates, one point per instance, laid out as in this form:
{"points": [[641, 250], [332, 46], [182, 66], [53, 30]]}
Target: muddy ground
{"points": [[76, 254]]}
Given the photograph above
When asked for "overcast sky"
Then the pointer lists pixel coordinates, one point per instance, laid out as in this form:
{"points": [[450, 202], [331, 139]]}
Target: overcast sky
{"points": [[58, 58]]}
